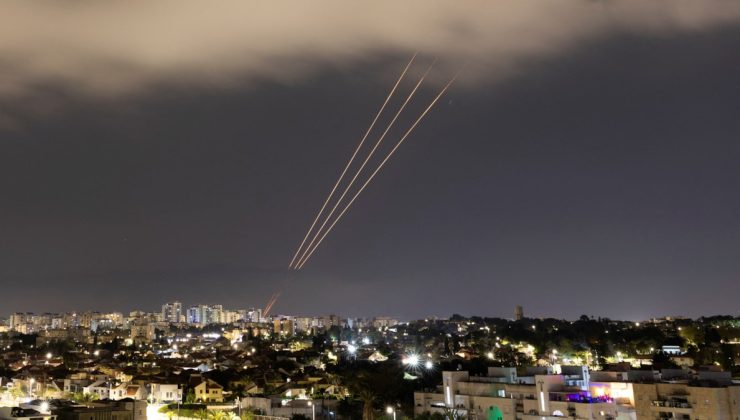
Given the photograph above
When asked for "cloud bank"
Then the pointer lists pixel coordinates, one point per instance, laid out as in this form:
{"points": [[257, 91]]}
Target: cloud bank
{"points": [[121, 47]]}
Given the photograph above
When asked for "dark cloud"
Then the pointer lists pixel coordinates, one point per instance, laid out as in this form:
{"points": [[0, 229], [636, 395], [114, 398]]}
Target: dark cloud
{"points": [[104, 48]]}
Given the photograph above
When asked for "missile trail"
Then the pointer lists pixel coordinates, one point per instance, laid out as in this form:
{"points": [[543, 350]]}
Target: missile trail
{"points": [[380, 166], [271, 303], [351, 159], [364, 163]]}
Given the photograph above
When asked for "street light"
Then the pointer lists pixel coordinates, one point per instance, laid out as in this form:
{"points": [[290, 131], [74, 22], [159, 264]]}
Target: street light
{"points": [[411, 361], [390, 410], [313, 410]]}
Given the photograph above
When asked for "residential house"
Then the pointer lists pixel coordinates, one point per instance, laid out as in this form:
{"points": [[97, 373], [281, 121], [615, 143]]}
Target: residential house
{"points": [[209, 391], [128, 390], [164, 393], [100, 388]]}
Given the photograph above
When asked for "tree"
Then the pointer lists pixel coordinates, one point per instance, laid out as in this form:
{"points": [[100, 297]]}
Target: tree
{"points": [[451, 413], [349, 408], [727, 356], [17, 392], [511, 357], [368, 399], [81, 397], [430, 416], [190, 397], [661, 360], [217, 415], [373, 384]]}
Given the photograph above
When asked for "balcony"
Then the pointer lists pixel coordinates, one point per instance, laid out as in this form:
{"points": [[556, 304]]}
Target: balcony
{"points": [[672, 416], [579, 397], [671, 404], [671, 409]]}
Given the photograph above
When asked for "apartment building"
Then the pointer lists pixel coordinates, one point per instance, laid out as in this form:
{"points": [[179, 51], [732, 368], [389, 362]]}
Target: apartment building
{"points": [[576, 393], [538, 394], [707, 395]]}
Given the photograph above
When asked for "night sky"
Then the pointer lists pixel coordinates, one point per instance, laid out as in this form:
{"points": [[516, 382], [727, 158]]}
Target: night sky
{"points": [[599, 175]]}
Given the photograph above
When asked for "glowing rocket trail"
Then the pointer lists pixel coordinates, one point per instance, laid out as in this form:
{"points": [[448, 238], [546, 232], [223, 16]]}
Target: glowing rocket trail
{"points": [[351, 159], [380, 166], [364, 163], [271, 303]]}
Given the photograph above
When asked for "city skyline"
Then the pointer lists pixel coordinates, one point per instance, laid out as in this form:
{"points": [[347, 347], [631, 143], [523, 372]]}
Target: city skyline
{"points": [[145, 367], [578, 166], [185, 315]]}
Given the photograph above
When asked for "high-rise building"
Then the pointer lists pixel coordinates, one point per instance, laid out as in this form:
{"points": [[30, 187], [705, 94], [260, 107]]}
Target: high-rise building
{"points": [[230, 317], [216, 314], [254, 315], [303, 323], [205, 314], [519, 313], [384, 322], [171, 312], [193, 315], [17, 320], [283, 326]]}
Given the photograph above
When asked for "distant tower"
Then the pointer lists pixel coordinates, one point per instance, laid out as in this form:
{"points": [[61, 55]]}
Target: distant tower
{"points": [[171, 312], [518, 313]]}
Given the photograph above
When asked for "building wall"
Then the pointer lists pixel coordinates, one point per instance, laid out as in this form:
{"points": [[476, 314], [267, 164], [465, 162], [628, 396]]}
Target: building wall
{"points": [[488, 399], [705, 403]]}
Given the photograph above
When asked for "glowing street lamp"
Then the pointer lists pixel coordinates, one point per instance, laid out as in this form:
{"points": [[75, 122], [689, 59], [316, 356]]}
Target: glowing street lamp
{"points": [[313, 410], [412, 360], [390, 410], [429, 365]]}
